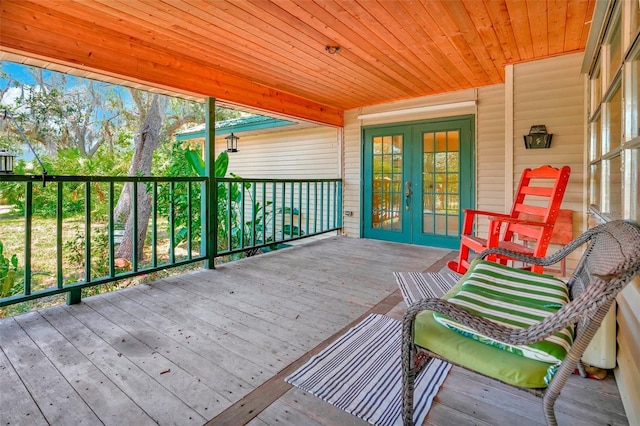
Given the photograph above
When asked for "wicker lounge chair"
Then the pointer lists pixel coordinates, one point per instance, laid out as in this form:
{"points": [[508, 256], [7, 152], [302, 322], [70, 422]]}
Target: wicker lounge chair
{"points": [[610, 261]]}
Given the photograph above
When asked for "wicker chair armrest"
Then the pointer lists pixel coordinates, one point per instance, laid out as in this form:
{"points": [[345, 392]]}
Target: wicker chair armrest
{"points": [[513, 336], [544, 261]]}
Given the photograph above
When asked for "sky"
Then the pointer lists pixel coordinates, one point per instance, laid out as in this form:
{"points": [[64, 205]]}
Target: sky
{"points": [[17, 72], [21, 74]]}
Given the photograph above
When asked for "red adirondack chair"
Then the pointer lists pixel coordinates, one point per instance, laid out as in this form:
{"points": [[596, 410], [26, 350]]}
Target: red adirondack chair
{"points": [[534, 187]]}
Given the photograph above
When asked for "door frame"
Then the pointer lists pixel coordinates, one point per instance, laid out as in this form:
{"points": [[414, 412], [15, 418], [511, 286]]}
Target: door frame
{"points": [[471, 166]]}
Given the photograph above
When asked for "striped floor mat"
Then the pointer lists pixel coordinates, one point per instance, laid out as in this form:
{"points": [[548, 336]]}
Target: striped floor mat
{"points": [[361, 374], [424, 285]]}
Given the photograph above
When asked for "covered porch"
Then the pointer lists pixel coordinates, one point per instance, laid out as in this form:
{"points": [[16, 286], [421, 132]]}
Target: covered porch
{"points": [[214, 346]]}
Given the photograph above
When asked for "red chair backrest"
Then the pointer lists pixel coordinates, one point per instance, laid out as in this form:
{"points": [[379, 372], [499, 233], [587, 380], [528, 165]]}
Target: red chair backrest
{"points": [[544, 184]]}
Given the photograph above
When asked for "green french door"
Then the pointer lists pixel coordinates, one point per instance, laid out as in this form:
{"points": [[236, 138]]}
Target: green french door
{"points": [[418, 178]]}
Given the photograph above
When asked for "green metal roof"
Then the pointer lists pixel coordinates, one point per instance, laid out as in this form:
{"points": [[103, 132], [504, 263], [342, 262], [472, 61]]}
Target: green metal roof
{"points": [[235, 125]]}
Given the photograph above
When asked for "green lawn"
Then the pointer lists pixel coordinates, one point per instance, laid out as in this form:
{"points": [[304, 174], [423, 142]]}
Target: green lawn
{"points": [[44, 256]]}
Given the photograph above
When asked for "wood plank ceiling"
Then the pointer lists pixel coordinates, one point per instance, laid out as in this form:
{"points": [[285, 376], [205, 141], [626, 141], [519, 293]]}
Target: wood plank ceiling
{"points": [[270, 55]]}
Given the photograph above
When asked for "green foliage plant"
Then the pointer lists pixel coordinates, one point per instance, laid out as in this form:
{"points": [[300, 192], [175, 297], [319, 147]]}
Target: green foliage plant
{"points": [[8, 272], [231, 226], [69, 161]]}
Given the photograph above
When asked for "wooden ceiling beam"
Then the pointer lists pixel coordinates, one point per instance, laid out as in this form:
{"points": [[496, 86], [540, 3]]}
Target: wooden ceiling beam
{"points": [[292, 30], [243, 52], [365, 49], [557, 18], [207, 33], [41, 34]]}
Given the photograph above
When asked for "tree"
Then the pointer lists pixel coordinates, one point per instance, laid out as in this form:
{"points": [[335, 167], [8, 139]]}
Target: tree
{"points": [[155, 128], [62, 112], [58, 111]]}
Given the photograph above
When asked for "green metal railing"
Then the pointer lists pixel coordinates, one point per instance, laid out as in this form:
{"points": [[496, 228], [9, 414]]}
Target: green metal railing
{"points": [[252, 214], [256, 213]]}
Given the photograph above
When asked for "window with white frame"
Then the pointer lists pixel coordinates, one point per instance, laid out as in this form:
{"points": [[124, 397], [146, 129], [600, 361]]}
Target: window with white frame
{"points": [[614, 126]]}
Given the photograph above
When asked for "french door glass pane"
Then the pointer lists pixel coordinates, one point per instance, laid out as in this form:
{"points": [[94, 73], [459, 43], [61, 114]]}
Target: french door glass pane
{"points": [[440, 182], [387, 182]]}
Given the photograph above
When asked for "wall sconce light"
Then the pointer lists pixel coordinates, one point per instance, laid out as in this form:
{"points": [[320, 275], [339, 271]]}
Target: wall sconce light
{"points": [[232, 143], [6, 162], [537, 137]]}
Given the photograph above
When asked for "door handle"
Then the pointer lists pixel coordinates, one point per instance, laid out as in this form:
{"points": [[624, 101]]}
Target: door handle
{"points": [[407, 195]]}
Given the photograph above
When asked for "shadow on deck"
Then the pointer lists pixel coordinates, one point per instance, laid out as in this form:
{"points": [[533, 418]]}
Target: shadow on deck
{"points": [[215, 345]]}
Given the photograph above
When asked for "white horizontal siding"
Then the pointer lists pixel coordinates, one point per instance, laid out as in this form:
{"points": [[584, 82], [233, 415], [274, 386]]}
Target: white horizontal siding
{"points": [[490, 157], [304, 153], [551, 92], [352, 173]]}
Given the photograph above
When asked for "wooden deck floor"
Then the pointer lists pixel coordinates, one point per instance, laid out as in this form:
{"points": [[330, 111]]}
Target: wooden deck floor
{"points": [[214, 345]]}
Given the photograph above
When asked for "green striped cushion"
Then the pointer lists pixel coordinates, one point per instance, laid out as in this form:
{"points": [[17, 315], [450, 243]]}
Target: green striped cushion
{"points": [[514, 298]]}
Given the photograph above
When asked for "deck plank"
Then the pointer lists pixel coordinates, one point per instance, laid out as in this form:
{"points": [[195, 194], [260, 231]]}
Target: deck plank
{"points": [[177, 309], [268, 293], [194, 347], [323, 413], [194, 377], [207, 319], [576, 402], [280, 413], [263, 333], [17, 405], [156, 400], [264, 301], [226, 338], [57, 399], [103, 397]]}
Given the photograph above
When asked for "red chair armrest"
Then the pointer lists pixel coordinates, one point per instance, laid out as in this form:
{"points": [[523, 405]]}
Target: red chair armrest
{"points": [[485, 213], [518, 221]]}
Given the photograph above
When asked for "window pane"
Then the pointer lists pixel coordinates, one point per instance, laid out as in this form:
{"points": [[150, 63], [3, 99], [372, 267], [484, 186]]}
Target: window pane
{"points": [[595, 193], [613, 193], [596, 89], [634, 12], [614, 48], [614, 121], [633, 174], [427, 140], [633, 94], [596, 137]]}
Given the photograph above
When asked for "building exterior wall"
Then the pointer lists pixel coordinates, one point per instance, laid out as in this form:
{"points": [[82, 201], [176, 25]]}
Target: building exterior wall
{"points": [[490, 152], [286, 154], [559, 104], [353, 142], [628, 371], [614, 159], [551, 92]]}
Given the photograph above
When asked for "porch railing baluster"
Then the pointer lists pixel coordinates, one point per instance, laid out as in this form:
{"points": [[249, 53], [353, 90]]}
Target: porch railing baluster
{"points": [[172, 225], [87, 232], [111, 230], [59, 217], [28, 214], [189, 220], [154, 224], [134, 236], [277, 223], [307, 210]]}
